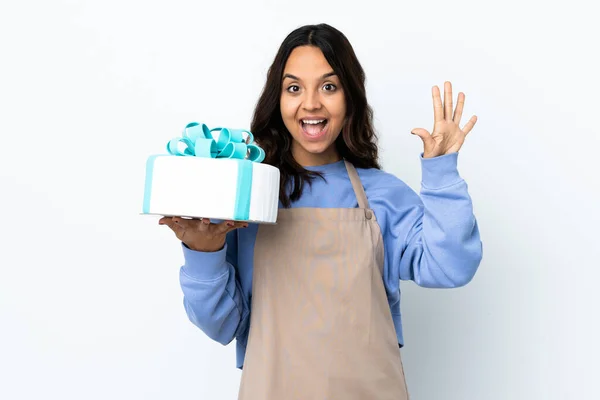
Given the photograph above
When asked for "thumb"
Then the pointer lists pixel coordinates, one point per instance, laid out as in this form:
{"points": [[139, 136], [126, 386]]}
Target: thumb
{"points": [[175, 227], [422, 133]]}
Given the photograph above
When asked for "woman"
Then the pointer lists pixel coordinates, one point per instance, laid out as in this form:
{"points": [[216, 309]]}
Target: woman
{"points": [[313, 302]]}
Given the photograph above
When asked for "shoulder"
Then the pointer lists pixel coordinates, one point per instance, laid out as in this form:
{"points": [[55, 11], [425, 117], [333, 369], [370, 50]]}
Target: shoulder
{"points": [[395, 204]]}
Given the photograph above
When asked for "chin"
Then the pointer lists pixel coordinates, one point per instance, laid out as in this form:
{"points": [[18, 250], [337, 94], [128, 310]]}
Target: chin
{"points": [[315, 147], [320, 153]]}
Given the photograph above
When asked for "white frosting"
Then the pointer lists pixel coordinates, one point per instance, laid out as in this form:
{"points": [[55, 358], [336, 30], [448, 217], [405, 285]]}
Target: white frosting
{"points": [[206, 187]]}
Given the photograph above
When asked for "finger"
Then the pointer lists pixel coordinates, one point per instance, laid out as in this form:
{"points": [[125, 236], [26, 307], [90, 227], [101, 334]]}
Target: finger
{"points": [[425, 136], [438, 111], [237, 225], [221, 227], [204, 224], [177, 229], [459, 108], [448, 101], [469, 125], [164, 220], [422, 133], [191, 224], [240, 224], [228, 226]]}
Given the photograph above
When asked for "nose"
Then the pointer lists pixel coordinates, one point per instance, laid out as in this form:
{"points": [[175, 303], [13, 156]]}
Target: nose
{"points": [[312, 100]]}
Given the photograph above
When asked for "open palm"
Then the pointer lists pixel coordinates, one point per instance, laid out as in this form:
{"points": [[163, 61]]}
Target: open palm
{"points": [[447, 136]]}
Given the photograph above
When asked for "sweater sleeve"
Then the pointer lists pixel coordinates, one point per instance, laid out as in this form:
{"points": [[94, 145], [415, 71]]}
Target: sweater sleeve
{"points": [[212, 295], [441, 243]]}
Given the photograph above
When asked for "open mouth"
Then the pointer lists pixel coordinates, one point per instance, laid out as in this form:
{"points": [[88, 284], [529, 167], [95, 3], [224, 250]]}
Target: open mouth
{"points": [[314, 129]]}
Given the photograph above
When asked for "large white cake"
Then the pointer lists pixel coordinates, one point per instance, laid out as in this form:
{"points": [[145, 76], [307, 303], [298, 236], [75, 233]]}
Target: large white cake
{"points": [[219, 177]]}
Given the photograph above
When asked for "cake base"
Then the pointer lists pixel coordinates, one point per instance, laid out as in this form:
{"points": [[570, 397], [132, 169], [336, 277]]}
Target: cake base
{"points": [[212, 220]]}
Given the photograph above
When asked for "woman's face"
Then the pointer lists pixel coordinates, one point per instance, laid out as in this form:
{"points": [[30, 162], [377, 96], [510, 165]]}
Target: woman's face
{"points": [[313, 106]]}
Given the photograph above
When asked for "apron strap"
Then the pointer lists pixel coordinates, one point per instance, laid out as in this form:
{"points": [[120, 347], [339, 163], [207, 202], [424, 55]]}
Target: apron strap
{"points": [[359, 191]]}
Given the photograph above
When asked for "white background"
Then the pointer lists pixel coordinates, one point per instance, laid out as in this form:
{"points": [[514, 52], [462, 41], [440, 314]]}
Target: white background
{"points": [[90, 303]]}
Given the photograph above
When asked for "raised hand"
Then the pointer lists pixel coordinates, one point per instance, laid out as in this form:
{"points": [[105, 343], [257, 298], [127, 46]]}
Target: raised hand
{"points": [[201, 234], [447, 136]]}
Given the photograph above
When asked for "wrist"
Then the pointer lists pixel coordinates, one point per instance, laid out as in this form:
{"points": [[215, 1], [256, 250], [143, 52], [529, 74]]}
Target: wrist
{"points": [[205, 247]]}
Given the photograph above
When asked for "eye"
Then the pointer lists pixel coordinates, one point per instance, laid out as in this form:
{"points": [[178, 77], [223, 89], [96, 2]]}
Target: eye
{"points": [[331, 85], [293, 86]]}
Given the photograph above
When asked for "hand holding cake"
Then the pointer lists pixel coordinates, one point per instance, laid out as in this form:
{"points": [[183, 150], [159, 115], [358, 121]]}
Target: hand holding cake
{"points": [[201, 234]]}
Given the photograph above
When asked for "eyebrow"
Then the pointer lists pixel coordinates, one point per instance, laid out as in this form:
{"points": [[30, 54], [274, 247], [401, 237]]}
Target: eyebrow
{"points": [[298, 79]]}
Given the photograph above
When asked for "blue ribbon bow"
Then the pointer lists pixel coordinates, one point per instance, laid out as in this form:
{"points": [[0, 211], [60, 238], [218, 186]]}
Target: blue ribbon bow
{"points": [[199, 142]]}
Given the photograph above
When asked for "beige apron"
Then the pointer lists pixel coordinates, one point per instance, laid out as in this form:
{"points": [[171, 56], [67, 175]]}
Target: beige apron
{"points": [[320, 323]]}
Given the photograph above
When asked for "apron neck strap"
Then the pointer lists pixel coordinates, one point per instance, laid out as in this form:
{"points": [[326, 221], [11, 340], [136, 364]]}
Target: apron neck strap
{"points": [[359, 191]]}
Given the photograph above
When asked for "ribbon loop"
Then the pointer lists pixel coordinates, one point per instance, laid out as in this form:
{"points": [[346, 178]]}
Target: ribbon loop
{"points": [[255, 153], [174, 148], [234, 150], [198, 140]]}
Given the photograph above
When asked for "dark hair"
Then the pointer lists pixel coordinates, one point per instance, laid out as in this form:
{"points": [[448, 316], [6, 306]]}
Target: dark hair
{"points": [[357, 141]]}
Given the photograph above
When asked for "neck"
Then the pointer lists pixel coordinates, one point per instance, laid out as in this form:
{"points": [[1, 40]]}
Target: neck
{"points": [[307, 159]]}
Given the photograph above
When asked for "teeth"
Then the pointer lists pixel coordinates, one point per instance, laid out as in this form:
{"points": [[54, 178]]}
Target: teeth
{"points": [[310, 121]]}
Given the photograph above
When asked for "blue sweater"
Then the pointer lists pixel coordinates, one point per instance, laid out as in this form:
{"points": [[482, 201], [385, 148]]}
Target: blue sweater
{"points": [[432, 239]]}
